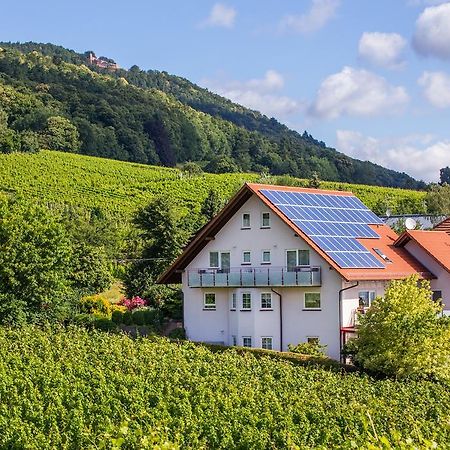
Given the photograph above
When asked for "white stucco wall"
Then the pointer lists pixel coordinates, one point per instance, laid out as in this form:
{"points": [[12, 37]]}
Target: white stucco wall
{"points": [[442, 283], [298, 324]]}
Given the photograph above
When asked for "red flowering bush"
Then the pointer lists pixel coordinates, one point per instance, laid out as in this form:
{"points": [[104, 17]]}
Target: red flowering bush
{"points": [[133, 303]]}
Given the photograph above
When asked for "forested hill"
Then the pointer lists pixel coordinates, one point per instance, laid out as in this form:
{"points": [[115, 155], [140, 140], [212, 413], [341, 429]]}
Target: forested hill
{"points": [[50, 97]]}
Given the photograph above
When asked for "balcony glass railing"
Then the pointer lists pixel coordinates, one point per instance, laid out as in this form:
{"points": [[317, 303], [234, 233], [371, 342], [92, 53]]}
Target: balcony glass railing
{"points": [[255, 276]]}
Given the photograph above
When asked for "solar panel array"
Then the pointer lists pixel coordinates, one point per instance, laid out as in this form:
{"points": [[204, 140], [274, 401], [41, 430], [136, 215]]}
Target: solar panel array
{"points": [[333, 222]]}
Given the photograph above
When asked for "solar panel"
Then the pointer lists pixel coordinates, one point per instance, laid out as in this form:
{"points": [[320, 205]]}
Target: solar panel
{"points": [[333, 222]]}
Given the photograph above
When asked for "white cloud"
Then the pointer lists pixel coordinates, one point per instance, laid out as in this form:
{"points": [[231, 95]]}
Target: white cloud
{"points": [[356, 92], [421, 156], [432, 33], [221, 15], [382, 49], [320, 13], [436, 88], [260, 94]]}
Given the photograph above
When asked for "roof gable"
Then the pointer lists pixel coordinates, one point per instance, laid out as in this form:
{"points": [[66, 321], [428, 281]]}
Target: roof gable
{"points": [[401, 264], [435, 243]]}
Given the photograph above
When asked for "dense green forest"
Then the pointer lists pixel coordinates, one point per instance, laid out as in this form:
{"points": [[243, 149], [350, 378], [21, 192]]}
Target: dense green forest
{"points": [[49, 98]]}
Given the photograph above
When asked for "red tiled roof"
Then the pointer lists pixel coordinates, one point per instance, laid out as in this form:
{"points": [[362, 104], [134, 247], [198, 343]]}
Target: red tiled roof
{"points": [[435, 243], [443, 226], [401, 264]]}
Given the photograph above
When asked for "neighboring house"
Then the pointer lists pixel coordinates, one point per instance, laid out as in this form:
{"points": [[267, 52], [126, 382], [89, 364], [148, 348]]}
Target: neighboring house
{"points": [[443, 226], [283, 265], [432, 249], [423, 222]]}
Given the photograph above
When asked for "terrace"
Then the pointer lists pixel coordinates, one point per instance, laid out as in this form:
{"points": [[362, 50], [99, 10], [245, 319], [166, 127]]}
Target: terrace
{"points": [[255, 277]]}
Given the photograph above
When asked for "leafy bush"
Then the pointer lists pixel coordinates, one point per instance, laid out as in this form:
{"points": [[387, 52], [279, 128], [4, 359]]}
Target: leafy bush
{"points": [[104, 324], [127, 318], [95, 304], [308, 348], [178, 333], [403, 334]]}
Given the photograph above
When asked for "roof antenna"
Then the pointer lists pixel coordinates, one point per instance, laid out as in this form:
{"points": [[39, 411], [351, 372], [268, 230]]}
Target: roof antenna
{"points": [[410, 223]]}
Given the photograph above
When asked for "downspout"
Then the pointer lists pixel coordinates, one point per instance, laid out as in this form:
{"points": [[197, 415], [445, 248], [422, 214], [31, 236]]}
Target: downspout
{"points": [[281, 317], [340, 317]]}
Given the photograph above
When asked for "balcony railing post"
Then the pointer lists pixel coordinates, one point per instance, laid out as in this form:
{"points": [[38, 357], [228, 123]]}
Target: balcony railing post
{"points": [[240, 277], [201, 280], [268, 276], [254, 277]]}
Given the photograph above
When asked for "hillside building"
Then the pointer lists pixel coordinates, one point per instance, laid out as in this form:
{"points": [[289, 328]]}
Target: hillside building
{"points": [[283, 265]]}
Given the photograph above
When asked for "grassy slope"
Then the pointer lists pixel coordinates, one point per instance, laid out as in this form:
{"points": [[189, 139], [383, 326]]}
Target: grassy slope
{"points": [[121, 188]]}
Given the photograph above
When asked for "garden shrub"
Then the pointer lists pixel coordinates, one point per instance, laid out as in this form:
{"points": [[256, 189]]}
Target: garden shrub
{"points": [[308, 348], [403, 334]]}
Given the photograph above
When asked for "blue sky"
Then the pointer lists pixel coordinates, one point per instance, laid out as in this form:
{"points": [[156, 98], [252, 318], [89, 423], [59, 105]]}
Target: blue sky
{"points": [[371, 78]]}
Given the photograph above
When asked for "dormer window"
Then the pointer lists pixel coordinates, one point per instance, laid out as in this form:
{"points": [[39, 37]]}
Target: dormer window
{"points": [[245, 221]]}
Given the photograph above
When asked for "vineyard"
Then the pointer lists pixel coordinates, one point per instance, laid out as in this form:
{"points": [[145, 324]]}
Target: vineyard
{"points": [[120, 188], [73, 389]]}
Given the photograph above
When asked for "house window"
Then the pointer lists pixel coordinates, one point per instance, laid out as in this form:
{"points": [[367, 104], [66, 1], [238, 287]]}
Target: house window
{"points": [[233, 340], [366, 298], [267, 343], [246, 301], [266, 300], [265, 257], [296, 258], [313, 340], [437, 296], [209, 301], [312, 300], [246, 257], [303, 257], [219, 260], [265, 220], [246, 341], [233, 302], [214, 259], [246, 220]]}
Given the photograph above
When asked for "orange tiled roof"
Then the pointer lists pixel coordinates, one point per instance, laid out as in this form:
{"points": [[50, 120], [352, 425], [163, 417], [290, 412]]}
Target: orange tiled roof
{"points": [[443, 226], [435, 243]]}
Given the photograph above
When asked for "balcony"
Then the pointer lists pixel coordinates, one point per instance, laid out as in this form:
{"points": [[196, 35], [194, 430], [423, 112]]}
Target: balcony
{"points": [[255, 277]]}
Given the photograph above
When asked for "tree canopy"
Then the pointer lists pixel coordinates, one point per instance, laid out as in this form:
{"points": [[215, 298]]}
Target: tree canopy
{"points": [[52, 99]]}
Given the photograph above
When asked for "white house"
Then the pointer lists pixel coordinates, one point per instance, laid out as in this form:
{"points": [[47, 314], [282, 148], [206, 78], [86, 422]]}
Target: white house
{"points": [[282, 265]]}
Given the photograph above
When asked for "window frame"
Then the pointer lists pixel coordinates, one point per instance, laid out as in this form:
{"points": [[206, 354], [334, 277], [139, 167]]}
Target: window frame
{"points": [[242, 301], [206, 306], [233, 340], [309, 308], [369, 299], [243, 226], [219, 258], [271, 342], [243, 341], [249, 262], [312, 339], [297, 257], [262, 219], [265, 308], [262, 257], [233, 301]]}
